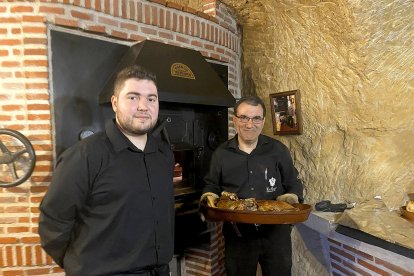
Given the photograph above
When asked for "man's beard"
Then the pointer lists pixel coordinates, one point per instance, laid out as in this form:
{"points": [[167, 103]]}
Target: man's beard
{"points": [[134, 128]]}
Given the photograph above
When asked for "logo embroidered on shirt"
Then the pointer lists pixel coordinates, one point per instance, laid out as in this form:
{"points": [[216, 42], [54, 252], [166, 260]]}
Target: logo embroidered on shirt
{"points": [[272, 188]]}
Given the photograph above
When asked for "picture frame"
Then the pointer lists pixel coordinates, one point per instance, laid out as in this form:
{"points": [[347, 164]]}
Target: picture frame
{"points": [[286, 112]]}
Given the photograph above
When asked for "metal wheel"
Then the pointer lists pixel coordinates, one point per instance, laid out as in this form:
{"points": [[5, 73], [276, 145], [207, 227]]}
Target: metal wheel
{"points": [[17, 158]]}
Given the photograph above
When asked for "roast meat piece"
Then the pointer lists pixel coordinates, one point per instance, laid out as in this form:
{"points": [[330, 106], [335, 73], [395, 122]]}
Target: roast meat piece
{"points": [[248, 204], [275, 206], [228, 196], [231, 201]]}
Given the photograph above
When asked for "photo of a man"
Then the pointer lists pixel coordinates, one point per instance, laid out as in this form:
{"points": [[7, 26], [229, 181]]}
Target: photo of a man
{"points": [[285, 108]]}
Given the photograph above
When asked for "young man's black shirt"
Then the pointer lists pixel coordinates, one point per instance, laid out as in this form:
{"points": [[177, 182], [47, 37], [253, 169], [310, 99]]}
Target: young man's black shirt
{"points": [[110, 207]]}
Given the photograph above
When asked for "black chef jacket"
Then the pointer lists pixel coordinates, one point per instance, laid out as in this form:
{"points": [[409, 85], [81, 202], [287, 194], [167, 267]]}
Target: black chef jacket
{"points": [[265, 173], [110, 207]]}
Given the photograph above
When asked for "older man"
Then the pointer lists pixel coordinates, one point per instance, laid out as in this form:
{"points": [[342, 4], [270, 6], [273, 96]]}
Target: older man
{"points": [[254, 165]]}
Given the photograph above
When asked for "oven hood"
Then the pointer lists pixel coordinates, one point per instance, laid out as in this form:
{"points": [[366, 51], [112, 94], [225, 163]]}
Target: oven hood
{"points": [[183, 75]]}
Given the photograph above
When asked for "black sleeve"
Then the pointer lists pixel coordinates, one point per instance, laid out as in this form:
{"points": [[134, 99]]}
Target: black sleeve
{"points": [[65, 197], [212, 178]]}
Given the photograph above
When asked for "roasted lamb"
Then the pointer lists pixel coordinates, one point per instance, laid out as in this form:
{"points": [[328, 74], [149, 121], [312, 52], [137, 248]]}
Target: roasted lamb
{"points": [[231, 201]]}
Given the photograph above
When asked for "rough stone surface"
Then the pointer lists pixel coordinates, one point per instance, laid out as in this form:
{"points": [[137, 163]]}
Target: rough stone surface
{"points": [[353, 62], [311, 260]]}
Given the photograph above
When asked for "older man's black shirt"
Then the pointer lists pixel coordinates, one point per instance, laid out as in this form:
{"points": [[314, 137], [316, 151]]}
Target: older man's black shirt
{"points": [[265, 173], [110, 207]]}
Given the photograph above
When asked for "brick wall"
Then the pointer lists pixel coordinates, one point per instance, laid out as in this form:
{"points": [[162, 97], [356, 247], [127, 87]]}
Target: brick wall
{"points": [[208, 260], [346, 260], [25, 89]]}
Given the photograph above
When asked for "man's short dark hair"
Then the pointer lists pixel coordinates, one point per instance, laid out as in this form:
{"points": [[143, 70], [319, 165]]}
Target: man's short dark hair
{"points": [[130, 72], [251, 100]]}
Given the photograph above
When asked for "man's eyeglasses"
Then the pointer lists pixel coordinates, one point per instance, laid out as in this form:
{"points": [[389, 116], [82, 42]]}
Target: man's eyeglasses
{"points": [[245, 119]]}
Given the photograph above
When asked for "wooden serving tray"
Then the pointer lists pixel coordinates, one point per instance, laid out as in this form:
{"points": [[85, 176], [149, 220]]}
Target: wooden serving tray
{"points": [[258, 217]]}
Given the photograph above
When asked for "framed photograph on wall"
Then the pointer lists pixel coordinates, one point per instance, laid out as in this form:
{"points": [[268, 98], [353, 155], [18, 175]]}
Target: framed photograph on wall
{"points": [[286, 113]]}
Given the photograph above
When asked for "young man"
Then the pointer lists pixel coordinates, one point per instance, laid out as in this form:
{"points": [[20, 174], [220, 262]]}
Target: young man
{"points": [[254, 165], [110, 207]]}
